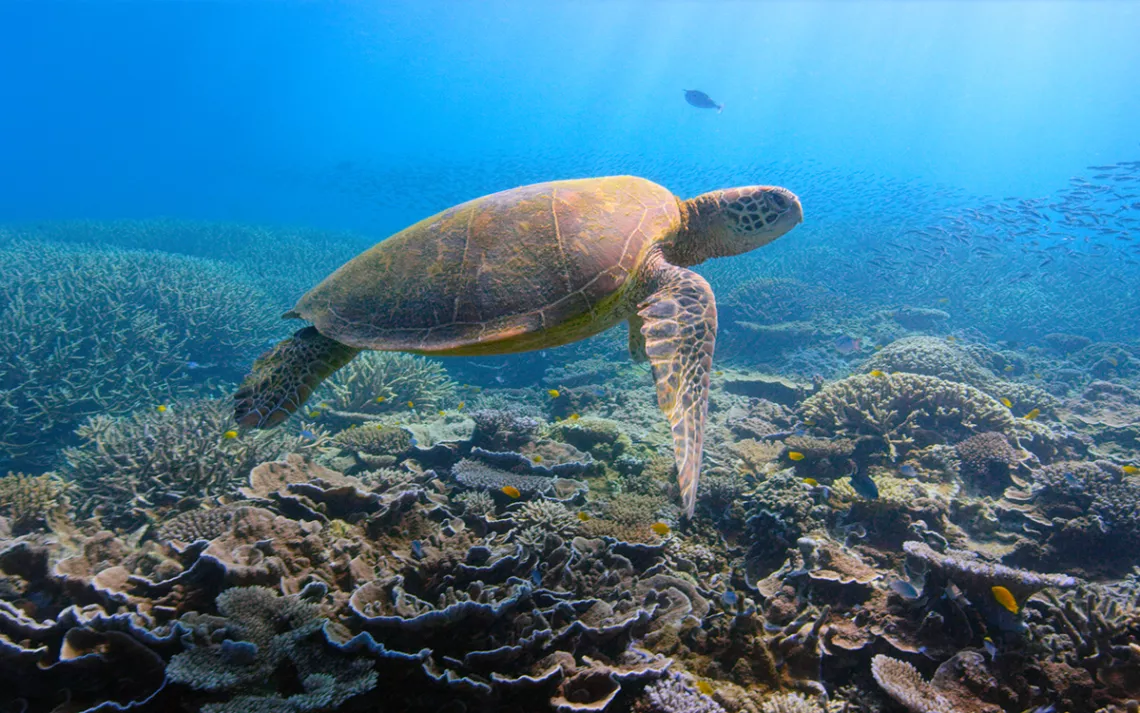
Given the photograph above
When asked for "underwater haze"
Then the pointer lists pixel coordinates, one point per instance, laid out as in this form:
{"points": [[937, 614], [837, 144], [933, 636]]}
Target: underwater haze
{"points": [[805, 380]]}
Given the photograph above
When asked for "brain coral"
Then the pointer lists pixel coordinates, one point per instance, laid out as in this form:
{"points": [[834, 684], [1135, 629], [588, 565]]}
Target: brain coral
{"points": [[104, 331]]}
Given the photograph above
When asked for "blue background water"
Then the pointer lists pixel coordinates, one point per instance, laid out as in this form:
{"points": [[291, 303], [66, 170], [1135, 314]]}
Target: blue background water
{"points": [[244, 111]]}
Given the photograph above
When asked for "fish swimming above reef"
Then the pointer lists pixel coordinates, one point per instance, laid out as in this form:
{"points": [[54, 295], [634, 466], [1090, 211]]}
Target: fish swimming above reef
{"points": [[528, 269], [848, 345], [864, 485], [701, 100]]}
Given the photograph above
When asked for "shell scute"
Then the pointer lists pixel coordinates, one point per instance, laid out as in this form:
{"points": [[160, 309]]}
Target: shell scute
{"points": [[523, 269]]}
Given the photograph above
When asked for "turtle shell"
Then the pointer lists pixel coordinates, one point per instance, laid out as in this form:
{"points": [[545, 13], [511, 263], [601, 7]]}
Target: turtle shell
{"points": [[528, 268]]}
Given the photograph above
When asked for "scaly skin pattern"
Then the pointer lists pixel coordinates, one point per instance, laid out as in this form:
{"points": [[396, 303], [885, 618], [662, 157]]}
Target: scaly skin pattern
{"points": [[529, 268], [679, 324]]}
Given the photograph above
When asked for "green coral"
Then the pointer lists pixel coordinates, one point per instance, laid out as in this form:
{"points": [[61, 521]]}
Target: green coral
{"points": [[30, 502], [126, 466], [104, 331]]}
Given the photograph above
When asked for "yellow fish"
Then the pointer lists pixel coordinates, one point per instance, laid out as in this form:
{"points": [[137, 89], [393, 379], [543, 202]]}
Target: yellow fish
{"points": [[1005, 598], [553, 393], [809, 422], [583, 517], [537, 459], [161, 408], [1008, 368], [876, 373], [442, 412], [511, 491], [704, 687], [721, 373], [660, 528], [230, 434], [380, 399], [574, 417], [411, 404], [943, 300], [461, 405], [1131, 469], [314, 414], [951, 338], [878, 347], [795, 455], [811, 481], [1032, 414], [1006, 402]]}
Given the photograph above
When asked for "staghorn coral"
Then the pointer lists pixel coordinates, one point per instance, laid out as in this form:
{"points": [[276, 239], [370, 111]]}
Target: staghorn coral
{"points": [[502, 430], [476, 502], [790, 703], [128, 465], [548, 517], [673, 695], [375, 383], [907, 686], [905, 408], [30, 502], [1095, 628], [103, 331], [285, 261]]}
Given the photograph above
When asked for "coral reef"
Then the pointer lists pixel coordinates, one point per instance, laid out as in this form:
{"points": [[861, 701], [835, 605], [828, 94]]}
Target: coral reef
{"points": [[907, 410], [104, 332], [375, 383], [127, 467], [30, 502], [985, 462]]}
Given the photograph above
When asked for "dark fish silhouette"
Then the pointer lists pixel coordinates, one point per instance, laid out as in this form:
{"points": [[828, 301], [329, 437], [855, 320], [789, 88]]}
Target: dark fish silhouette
{"points": [[701, 100]]}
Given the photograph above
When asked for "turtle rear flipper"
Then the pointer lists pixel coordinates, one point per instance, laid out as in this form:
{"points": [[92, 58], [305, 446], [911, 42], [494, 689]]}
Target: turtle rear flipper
{"points": [[679, 326], [283, 378]]}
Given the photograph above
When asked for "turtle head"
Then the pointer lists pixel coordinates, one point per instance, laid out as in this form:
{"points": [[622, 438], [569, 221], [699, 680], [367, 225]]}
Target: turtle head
{"points": [[732, 221]]}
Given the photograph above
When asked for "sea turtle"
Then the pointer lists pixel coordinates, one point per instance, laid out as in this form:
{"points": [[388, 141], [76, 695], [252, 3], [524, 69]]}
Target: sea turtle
{"points": [[531, 268]]}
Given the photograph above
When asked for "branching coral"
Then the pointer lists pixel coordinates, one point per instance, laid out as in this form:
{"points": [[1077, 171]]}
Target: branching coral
{"points": [[30, 502], [378, 382], [128, 465], [102, 331]]}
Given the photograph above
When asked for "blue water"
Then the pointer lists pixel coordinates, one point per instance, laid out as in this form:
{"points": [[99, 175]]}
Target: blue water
{"points": [[243, 111]]}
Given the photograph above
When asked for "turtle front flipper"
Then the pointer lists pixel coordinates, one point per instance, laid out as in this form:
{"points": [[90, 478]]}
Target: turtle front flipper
{"points": [[680, 333], [283, 378]]}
